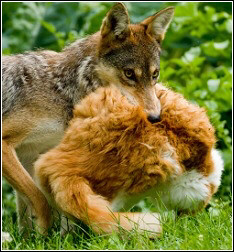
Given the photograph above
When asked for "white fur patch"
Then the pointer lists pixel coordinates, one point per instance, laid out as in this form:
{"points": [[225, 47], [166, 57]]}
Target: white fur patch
{"points": [[215, 176], [184, 192]]}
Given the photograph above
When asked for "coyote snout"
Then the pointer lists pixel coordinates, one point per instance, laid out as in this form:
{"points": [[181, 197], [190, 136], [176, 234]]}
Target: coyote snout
{"points": [[146, 98], [151, 104]]}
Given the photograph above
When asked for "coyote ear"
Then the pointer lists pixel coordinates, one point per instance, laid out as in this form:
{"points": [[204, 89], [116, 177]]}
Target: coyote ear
{"points": [[116, 22], [159, 22]]}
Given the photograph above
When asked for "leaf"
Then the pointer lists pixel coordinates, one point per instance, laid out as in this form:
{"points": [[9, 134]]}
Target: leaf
{"points": [[191, 54], [188, 9], [212, 105], [229, 25], [50, 27], [198, 61], [178, 62], [201, 94], [213, 85], [221, 45]]}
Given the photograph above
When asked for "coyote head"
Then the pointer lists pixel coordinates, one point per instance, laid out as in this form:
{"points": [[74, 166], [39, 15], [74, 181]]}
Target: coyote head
{"points": [[129, 55]]}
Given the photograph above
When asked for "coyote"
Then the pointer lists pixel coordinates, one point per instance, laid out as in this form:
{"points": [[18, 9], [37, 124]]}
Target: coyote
{"points": [[41, 88]]}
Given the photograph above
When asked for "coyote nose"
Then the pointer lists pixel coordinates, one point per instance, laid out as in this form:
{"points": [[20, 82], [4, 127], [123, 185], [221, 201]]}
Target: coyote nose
{"points": [[153, 118]]}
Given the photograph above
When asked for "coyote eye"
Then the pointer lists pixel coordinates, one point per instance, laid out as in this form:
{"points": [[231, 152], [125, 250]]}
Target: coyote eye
{"points": [[129, 73], [155, 74]]}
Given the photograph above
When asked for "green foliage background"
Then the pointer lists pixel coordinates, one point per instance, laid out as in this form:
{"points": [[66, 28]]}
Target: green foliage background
{"points": [[196, 58]]}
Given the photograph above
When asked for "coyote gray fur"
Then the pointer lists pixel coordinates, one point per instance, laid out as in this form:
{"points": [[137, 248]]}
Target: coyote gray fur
{"points": [[41, 88]]}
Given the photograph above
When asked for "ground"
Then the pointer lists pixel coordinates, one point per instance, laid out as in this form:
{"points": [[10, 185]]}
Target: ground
{"points": [[210, 229]]}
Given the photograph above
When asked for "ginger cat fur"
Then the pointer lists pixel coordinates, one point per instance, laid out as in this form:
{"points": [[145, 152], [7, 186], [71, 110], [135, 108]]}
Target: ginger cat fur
{"points": [[111, 156]]}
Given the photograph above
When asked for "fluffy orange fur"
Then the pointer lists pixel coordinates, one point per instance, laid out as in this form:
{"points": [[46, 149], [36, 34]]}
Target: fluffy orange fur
{"points": [[111, 147]]}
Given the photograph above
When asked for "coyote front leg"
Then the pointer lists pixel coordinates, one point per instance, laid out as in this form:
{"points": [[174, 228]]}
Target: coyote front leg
{"points": [[18, 177]]}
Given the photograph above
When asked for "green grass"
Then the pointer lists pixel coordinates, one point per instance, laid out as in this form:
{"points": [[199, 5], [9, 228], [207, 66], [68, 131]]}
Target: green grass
{"points": [[210, 229]]}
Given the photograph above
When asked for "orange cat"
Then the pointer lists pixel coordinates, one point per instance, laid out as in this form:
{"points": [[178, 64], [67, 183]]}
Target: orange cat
{"points": [[111, 157]]}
